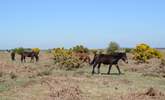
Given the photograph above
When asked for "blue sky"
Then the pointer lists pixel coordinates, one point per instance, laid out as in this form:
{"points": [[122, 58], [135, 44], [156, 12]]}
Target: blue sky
{"points": [[93, 23]]}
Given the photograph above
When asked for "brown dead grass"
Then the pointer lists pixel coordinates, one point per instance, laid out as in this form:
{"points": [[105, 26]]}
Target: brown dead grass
{"points": [[62, 89], [148, 94]]}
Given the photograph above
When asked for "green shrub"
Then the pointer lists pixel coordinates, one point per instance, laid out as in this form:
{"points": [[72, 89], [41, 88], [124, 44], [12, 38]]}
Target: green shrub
{"points": [[98, 51], [113, 46], [128, 50], [80, 48], [94, 51], [143, 52], [48, 51], [19, 50]]}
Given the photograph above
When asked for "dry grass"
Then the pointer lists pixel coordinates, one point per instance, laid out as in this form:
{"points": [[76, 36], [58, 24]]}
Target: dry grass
{"points": [[44, 81], [154, 67]]}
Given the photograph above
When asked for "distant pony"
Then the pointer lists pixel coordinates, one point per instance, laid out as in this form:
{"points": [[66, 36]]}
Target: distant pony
{"points": [[29, 54]]}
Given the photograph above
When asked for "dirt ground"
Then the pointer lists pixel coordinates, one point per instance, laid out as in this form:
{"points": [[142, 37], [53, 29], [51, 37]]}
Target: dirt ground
{"points": [[44, 81]]}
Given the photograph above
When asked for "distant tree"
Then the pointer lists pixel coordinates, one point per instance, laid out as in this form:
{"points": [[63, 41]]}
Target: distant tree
{"points": [[113, 46]]}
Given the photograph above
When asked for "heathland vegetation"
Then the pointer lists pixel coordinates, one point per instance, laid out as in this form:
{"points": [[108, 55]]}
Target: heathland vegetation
{"points": [[65, 74]]}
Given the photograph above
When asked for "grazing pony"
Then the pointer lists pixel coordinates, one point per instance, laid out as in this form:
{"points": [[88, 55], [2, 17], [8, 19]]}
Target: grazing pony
{"points": [[29, 54], [108, 60], [83, 57]]}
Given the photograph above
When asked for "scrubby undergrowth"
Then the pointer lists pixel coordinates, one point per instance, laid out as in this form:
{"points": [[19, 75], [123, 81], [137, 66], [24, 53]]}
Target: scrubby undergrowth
{"points": [[44, 81]]}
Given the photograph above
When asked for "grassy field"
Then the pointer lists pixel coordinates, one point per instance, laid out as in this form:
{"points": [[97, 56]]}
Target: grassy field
{"points": [[44, 81]]}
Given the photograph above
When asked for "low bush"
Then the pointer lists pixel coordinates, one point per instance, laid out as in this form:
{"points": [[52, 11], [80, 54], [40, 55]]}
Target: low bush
{"points": [[128, 50], [64, 59], [80, 49], [143, 52]]}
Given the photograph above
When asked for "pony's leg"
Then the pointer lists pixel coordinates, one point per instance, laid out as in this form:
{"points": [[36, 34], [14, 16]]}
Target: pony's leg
{"points": [[32, 59], [109, 69], [117, 66], [93, 71], [22, 58], [13, 57], [99, 68], [37, 58]]}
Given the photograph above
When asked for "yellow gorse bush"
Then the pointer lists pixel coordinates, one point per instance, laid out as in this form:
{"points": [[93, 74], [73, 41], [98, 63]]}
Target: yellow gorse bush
{"points": [[61, 53], [64, 59], [36, 50], [143, 52]]}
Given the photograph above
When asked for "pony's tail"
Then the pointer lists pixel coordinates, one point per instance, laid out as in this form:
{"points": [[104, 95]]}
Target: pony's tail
{"points": [[13, 56], [91, 63]]}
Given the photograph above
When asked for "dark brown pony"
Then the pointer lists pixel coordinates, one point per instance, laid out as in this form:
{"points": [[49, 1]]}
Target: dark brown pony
{"points": [[29, 54], [108, 60], [83, 57]]}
